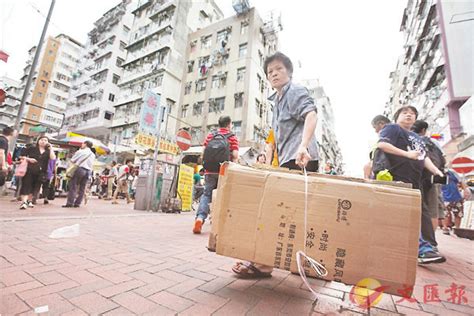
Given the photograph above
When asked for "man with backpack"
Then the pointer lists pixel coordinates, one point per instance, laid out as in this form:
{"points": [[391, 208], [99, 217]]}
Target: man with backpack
{"points": [[220, 146], [431, 192]]}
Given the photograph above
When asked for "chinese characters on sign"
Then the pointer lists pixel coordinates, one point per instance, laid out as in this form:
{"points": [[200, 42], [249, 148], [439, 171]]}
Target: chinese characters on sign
{"points": [[185, 186], [150, 142], [149, 114]]}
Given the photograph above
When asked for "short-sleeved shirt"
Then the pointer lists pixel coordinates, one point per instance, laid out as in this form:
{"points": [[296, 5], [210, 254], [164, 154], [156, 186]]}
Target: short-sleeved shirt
{"points": [[402, 168], [233, 141], [122, 171], [450, 191], [197, 178], [41, 166], [289, 115]]}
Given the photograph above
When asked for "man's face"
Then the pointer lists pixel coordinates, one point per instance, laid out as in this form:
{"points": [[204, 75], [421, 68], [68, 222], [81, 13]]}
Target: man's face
{"points": [[277, 74], [406, 118], [83, 145]]}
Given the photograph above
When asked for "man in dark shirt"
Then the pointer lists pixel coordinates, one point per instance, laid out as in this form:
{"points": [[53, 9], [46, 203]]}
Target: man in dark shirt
{"points": [[406, 153]]}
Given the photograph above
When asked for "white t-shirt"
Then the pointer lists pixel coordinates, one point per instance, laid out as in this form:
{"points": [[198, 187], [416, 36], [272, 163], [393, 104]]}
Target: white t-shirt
{"points": [[122, 171]]}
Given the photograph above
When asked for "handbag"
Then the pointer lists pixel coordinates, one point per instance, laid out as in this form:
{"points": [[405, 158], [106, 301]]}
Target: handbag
{"points": [[20, 171], [71, 170]]}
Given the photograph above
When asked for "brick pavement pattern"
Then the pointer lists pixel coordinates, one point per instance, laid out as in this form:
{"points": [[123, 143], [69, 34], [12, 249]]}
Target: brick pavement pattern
{"points": [[127, 262]]}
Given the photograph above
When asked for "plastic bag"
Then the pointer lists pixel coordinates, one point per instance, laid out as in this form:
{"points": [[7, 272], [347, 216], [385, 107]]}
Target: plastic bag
{"points": [[66, 232]]}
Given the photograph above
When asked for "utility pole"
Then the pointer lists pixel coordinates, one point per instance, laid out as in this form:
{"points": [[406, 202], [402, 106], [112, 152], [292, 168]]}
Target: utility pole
{"points": [[31, 75]]}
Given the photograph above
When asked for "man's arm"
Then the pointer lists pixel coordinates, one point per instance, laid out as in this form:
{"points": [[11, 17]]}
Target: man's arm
{"points": [[235, 156], [310, 121], [3, 160], [432, 168], [390, 149], [269, 148]]}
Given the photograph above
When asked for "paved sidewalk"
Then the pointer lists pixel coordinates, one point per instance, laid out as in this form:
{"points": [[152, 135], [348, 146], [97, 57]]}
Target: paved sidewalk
{"points": [[128, 262]]}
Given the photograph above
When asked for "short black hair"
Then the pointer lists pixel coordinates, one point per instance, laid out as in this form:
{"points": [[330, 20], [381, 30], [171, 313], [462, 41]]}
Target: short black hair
{"points": [[202, 170], [280, 57], [419, 126], [404, 108], [88, 143], [224, 121], [7, 131], [128, 160], [380, 119]]}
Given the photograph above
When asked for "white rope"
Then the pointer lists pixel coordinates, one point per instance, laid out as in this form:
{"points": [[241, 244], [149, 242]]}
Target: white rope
{"points": [[301, 257]]}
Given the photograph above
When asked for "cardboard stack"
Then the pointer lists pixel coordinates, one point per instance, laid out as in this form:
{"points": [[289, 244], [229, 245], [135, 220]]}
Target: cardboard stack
{"points": [[356, 229]]}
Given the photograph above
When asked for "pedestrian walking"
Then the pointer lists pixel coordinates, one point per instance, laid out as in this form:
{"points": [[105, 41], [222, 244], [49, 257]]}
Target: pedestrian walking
{"points": [[5, 157], [220, 146], [431, 192], [293, 131], [83, 159], [111, 180], [122, 181], [454, 195], [407, 157], [37, 157]]}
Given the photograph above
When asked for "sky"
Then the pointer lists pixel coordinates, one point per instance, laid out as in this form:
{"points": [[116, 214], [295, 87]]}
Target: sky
{"points": [[350, 46]]}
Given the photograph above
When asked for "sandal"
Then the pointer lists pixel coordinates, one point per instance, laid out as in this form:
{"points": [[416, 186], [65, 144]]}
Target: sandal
{"points": [[249, 271]]}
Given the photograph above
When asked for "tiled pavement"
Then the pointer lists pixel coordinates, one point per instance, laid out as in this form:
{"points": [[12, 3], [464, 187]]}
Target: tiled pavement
{"points": [[127, 262]]}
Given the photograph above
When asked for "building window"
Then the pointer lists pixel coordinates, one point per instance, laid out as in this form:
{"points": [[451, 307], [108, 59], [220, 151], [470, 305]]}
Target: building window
{"points": [[190, 66], [223, 36], [188, 87], [219, 81], [256, 134], [201, 85], [240, 74], [122, 46], [259, 108], [115, 79], [184, 110], [43, 83], [261, 58], [169, 105], [197, 108], [261, 83], [108, 115], [244, 27], [45, 73], [111, 97], [206, 42], [119, 62], [216, 105], [242, 50], [237, 128], [50, 52], [239, 100], [40, 94]]}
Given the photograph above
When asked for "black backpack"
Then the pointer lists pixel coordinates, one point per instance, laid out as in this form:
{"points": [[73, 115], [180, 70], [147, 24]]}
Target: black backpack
{"points": [[435, 154], [380, 162], [216, 152]]}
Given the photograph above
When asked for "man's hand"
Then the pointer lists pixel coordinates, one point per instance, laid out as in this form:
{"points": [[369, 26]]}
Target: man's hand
{"points": [[302, 156], [32, 160], [413, 154]]}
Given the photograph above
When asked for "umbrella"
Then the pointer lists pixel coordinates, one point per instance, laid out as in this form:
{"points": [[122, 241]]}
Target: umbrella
{"points": [[77, 139]]}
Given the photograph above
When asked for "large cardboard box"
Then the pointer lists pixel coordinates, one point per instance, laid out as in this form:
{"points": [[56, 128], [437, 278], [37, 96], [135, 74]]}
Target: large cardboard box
{"points": [[355, 229]]}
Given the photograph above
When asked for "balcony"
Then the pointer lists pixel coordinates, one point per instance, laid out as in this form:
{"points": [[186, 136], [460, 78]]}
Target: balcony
{"points": [[127, 98], [158, 45], [153, 28], [124, 120], [144, 70], [160, 7]]}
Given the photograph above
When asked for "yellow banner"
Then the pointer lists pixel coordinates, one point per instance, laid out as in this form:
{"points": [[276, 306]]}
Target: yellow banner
{"points": [[185, 187], [149, 141]]}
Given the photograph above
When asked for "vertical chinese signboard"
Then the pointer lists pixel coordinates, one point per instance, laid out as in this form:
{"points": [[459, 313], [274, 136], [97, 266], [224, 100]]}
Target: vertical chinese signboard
{"points": [[185, 187], [149, 114]]}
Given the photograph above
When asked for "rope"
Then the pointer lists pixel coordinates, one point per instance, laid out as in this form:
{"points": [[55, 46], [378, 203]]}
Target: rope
{"points": [[301, 257]]}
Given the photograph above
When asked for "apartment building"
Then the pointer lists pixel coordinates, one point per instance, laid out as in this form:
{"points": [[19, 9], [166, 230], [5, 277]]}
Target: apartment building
{"points": [[434, 71], [224, 76], [51, 85], [9, 108], [329, 150], [95, 87], [156, 60]]}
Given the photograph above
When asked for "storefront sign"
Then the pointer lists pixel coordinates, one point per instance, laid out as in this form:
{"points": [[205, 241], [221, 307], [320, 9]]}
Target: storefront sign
{"points": [[149, 141], [185, 187]]}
